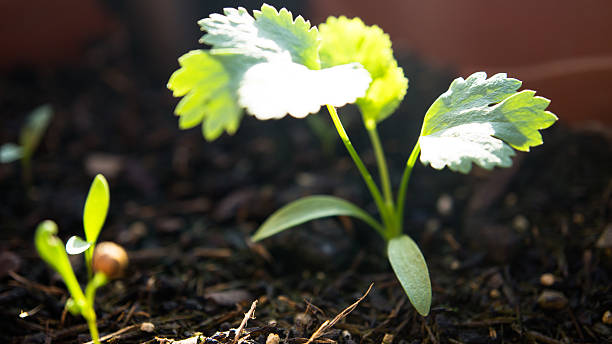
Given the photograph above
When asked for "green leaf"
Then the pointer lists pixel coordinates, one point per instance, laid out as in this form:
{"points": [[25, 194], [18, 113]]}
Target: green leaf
{"points": [[268, 36], [51, 250], [311, 208], [34, 128], [346, 40], [267, 64], [210, 91], [480, 120], [96, 208], [76, 245], [410, 268], [10, 152]]}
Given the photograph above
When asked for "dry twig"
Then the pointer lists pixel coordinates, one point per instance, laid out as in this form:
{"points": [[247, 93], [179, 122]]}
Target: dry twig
{"points": [[327, 324], [248, 315]]}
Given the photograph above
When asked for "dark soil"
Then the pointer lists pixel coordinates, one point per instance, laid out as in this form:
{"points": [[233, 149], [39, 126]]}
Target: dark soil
{"points": [[184, 209]]}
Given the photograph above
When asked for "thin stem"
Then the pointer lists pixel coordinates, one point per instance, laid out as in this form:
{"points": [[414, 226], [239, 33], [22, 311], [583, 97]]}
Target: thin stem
{"points": [[367, 177], [401, 196], [383, 171], [89, 261], [93, 329], [89, 313]]}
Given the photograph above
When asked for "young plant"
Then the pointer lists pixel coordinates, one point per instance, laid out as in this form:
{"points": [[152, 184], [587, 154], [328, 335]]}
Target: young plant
{"points": [[29, 139], [272, 64], [106, 262], [94, 215], [109, 261]]}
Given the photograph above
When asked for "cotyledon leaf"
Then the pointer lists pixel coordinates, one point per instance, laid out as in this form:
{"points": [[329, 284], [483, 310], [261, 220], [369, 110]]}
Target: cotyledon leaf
{"points": [[346, 40], [96, 208], [311, 208], [410, 268], [480, 120], [267, 64], [76, 245]]}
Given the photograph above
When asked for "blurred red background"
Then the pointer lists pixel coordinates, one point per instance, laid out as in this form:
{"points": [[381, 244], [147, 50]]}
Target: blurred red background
{"points": [[562, 49]]}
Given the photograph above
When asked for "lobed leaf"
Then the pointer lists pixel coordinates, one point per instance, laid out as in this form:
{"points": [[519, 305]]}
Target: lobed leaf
{"points": [[96, 208], [411, 270], [346, 40], [310, 208], [480, 120], [267, 64]]}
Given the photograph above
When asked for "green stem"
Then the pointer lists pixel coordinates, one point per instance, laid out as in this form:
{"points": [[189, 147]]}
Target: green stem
{"points": [[93, 329], [89, 261], [401, 196], [367, 177], [98, 280], [383, 171]]}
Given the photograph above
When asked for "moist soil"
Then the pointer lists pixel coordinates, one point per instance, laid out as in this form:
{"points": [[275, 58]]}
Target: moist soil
{"points": [[515, 255]]}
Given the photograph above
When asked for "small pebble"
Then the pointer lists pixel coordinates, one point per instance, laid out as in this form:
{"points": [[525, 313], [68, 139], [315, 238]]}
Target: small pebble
{"points": [[273, 338], [520, 223], [605, 240], [455, 265], [387, 339], [607, 318], [147, 327], [547, 279], [444, 205], [552, 299]]}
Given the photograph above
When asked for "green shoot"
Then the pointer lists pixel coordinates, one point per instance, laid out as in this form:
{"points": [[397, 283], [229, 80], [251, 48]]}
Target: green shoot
{"points": [[29, 139], [108, 261], [51, 250], [273, 65], [94, 215]]}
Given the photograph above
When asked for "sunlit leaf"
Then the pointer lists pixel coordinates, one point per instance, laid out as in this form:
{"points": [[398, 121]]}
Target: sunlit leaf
{"points": [[410, 268], [307, 209], [96, 208], [480, 120], [76, 245], [267, 64], [346, 40]]}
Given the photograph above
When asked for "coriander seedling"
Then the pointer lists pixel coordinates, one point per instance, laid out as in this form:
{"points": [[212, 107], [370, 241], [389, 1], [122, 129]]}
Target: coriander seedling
{"points": [[94, 215], [272, 65], [51, 250], [29, 138]]}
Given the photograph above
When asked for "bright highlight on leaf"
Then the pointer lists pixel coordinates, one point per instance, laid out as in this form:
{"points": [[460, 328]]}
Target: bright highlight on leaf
{"points": [[267, 63], [271, 90], [96, 208], [346, 40], [76, 245], [480, 120]]}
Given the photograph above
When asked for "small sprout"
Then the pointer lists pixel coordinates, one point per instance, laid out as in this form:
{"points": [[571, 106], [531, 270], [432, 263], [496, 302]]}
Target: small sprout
{"points": [[111, 262], [110, 259], [29, 138], [272, 64]]}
